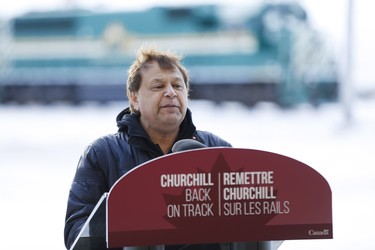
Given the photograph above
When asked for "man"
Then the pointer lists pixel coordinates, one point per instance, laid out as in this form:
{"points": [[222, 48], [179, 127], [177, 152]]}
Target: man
{"points": [[158, 116]]}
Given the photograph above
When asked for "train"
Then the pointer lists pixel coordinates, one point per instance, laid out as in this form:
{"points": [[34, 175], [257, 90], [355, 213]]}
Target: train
{"points": [[268, 53]]}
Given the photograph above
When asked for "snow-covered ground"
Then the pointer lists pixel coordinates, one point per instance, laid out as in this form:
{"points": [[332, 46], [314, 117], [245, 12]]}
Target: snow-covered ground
{"points": [[40, 147]]}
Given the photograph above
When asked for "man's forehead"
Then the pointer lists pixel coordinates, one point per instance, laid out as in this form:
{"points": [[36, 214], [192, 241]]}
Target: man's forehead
{"points": [[156, 64], [163, 72]]}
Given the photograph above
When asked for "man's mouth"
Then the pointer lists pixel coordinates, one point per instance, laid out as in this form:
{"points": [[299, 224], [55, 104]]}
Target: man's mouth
{"points": [[169, 106]]}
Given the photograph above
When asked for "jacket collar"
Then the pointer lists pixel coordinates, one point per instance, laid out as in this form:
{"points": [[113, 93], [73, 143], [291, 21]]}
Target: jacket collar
{"points": [[130, 124]]}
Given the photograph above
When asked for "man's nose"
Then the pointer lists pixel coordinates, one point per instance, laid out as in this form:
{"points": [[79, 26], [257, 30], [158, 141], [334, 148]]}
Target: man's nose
{"points": [[170, 92]]}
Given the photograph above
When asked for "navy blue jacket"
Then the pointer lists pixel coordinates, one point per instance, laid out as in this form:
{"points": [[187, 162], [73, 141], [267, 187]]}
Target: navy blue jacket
{"points": [[108, 158]]}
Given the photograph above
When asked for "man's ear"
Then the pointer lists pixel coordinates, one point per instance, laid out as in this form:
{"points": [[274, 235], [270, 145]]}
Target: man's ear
{"points": [[134, 100]]}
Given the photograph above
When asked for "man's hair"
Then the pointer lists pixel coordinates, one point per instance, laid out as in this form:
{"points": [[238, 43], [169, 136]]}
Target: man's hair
{"points": [[167, 61]]}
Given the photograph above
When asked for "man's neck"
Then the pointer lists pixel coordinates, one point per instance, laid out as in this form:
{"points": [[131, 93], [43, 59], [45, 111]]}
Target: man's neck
{"points": [[165, 144], [165, 141]]}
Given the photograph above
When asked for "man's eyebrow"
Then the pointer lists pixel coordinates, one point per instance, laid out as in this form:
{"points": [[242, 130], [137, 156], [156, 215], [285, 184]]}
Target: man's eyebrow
{"points": [[162, 79], [157, 79], [178, 78]]}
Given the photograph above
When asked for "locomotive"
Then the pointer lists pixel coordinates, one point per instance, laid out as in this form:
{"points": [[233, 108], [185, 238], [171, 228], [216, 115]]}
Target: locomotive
{"points": [[268, 53]]}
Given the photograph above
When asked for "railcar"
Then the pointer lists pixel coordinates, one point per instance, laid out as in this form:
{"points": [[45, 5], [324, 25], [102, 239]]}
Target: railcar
{"points": [[269, 53]]}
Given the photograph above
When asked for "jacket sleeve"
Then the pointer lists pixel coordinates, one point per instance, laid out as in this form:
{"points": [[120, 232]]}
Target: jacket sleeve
{"points": [[88, 185]]}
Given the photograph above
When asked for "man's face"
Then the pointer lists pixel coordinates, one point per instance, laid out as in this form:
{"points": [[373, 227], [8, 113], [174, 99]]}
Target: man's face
{"points": [[161, 99]]}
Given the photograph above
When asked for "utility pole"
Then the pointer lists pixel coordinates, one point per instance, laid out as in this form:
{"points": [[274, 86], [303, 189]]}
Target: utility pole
{"points": [[346, 84], [5, 53]]}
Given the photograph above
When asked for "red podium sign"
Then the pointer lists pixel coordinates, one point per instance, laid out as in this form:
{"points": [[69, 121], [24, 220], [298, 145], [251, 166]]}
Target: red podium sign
{"points": [[218, 195]]}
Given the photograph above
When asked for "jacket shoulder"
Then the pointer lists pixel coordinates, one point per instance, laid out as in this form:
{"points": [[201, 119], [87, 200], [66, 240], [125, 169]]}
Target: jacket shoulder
{"points": [[212, 140]]}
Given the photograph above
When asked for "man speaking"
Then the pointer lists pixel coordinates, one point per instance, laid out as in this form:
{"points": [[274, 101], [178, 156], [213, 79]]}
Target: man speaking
{"points": [[158, 117]]}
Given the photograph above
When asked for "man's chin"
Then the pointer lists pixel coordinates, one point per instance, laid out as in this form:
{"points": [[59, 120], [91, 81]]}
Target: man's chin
{"points": [[172, 119]]}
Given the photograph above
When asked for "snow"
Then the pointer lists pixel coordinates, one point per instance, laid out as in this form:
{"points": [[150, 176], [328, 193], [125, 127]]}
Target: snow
{"points": [[40, 147]]}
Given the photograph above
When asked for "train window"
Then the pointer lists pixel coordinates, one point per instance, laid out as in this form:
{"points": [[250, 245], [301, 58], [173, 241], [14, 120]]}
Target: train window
{"points": [[180, 12], [44, 26]]}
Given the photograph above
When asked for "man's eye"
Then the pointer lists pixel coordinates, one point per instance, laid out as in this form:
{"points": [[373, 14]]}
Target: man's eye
{"points": [[159, 86], [179, 86]]}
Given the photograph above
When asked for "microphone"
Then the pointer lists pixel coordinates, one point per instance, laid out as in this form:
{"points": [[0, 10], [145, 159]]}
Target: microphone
{"points": [[187, 144]]}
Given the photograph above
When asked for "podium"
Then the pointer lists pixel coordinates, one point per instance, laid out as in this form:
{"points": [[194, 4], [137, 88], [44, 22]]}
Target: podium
{"points": [[250, 199]]}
